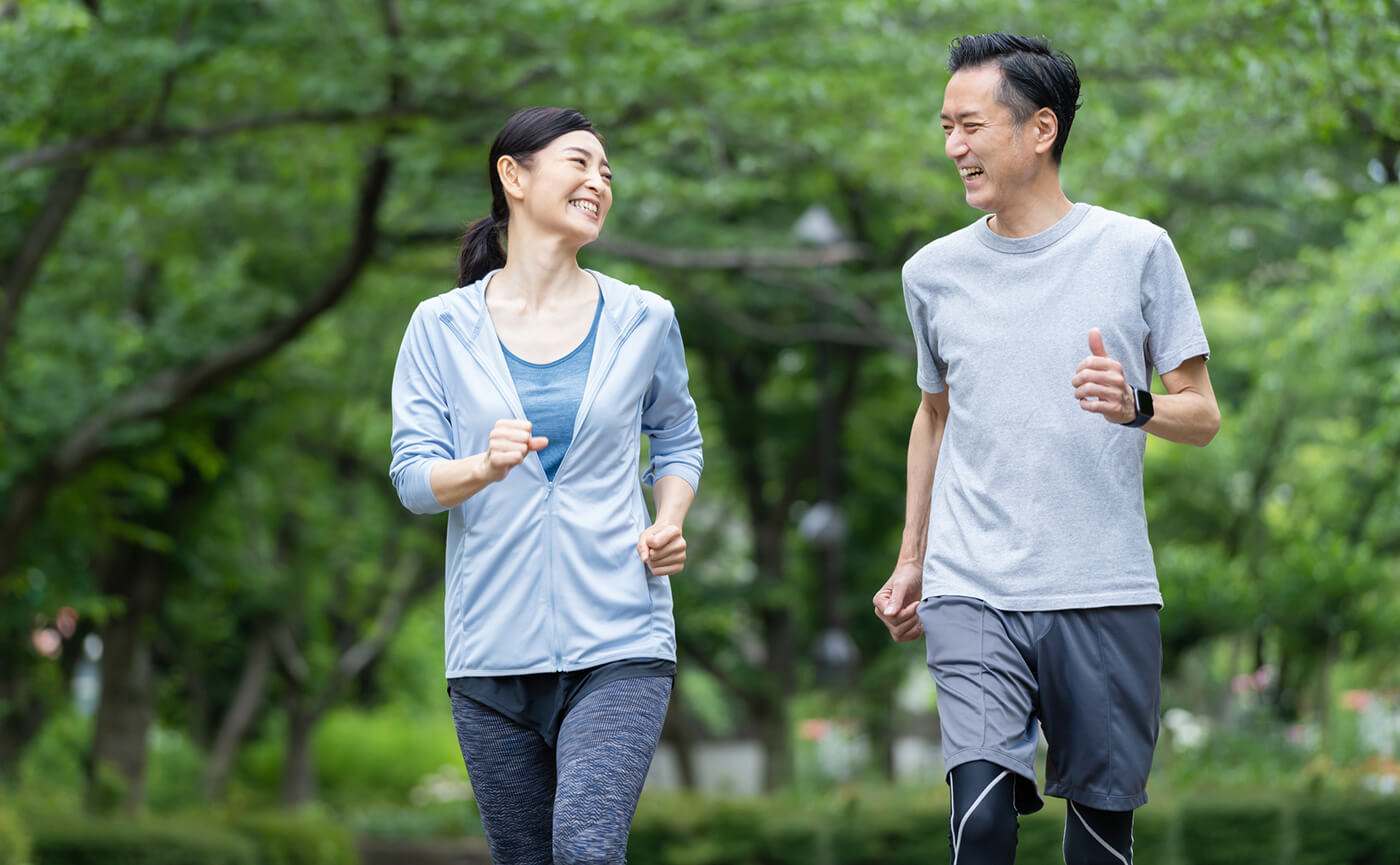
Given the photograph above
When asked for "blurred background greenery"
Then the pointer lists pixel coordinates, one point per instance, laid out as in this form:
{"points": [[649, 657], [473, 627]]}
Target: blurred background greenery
{"points": [[216, 218]]}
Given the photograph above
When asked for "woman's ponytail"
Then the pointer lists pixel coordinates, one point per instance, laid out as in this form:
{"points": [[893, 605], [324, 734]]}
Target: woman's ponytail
{"points": [[482, 250]]}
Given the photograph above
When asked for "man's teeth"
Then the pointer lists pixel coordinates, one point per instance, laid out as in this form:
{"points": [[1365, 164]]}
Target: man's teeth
{"points": [[971, 172], [585, 205]]}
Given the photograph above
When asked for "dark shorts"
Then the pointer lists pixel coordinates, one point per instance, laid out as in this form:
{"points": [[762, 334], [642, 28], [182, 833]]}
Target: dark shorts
{"points": [[540, 701], [1090, 677]]}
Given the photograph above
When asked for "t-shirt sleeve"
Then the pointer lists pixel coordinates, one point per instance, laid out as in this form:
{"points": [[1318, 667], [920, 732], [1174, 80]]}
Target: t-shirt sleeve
{"points": [[932, 368], [1174, 332]]}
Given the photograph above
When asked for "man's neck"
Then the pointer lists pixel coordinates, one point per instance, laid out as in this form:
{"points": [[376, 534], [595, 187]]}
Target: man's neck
{"points": [[1035, 211]]}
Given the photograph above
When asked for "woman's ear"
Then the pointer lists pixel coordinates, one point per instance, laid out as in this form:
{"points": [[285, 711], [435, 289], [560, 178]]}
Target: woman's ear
{"points": [[512, 179]]}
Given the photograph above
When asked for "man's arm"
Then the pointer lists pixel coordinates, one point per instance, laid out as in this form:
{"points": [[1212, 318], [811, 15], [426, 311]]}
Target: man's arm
{"points": [[1187, 413], [898, 599]]}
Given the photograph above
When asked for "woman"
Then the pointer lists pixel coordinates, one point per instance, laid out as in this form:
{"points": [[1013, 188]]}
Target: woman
{"points": [[519, 400]]}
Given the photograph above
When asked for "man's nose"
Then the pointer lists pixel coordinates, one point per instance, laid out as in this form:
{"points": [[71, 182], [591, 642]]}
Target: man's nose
{"points": [[954, 145]]}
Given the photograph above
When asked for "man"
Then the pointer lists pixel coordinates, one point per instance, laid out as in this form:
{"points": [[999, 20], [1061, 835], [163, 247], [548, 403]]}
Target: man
{"points": [[1025, 556]]}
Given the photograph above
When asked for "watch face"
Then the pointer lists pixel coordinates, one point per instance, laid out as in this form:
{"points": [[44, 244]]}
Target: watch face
{"points": [[1144, 399]]}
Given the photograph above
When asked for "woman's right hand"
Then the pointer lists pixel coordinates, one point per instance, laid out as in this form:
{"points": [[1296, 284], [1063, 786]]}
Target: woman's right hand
{"points": [[510, 443]]}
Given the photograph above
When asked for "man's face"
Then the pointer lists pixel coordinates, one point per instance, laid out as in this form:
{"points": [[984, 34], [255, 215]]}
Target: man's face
{"points": [[995, 156]]}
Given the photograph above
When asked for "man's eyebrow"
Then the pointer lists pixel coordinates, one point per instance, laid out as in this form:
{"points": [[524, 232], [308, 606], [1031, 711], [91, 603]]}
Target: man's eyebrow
{"points": [[962, 115], [586, 152]]}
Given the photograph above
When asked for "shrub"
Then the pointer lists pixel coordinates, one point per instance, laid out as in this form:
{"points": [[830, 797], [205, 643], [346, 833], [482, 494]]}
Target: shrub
{"points": [[117, 842], [1345, 832], [362, 757], [860, 827], [433, 820], [1232, 834], [14, 841], [297, 840]]}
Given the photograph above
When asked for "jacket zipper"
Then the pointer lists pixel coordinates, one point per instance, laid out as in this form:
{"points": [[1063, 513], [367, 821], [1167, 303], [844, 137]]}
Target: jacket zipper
{"points": [[603, 372]]}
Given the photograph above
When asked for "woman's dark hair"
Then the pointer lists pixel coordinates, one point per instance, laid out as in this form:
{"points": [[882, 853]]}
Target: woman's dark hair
{"points": [[527, 132], [1033, 76]]}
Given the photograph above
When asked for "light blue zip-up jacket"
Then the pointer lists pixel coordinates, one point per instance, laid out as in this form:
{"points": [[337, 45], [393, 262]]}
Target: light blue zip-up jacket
{"points": [[544, 577]]}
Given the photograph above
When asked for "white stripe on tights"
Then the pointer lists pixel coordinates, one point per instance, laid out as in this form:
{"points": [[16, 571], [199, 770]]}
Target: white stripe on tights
{"points": [[973, 807], [1090, 830]]}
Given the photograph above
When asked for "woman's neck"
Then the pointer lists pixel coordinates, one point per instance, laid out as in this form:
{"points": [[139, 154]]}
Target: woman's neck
{"points": [[539, 272]]}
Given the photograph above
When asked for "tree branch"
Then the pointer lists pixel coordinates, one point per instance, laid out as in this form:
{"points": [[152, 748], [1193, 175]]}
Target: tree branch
{"points": [[751, 697], [170, 389], [864, 314], [293, 664], [407, 585], [21, 269], [733, 259], [800, 470], [128, 139]]}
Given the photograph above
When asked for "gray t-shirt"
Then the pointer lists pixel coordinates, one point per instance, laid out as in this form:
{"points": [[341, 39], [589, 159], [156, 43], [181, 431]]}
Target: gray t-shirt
{"points": [[1037, 504]]}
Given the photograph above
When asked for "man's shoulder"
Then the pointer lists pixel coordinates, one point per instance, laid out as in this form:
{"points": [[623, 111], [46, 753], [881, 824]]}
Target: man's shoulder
{"points": [[1123, 228], [937, 254]]}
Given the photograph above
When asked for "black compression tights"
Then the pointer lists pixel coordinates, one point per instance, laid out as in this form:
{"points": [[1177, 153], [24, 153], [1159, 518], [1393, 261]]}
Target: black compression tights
{"points": [[983, 824]]}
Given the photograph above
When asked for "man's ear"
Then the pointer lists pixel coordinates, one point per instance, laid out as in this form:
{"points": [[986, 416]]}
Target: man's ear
{"points": [[1046, 128]]}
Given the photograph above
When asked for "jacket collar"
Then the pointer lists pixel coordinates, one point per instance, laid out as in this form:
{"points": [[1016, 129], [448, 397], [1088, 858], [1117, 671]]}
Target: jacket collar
{"points": [[621, 303]]}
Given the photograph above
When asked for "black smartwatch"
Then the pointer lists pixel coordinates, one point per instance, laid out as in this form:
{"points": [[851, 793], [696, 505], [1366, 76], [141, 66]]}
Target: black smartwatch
{"points": [[1143, 399]]}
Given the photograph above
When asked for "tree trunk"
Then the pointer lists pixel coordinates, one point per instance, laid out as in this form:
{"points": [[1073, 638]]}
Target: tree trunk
{"points": [[776, 622], [299, 773], [124, 708], [679, 732], [252, 685], [775, 737]]}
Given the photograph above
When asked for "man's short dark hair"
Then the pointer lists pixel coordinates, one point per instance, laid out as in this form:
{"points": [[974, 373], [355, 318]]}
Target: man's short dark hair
{"points": [[1033, 76]]}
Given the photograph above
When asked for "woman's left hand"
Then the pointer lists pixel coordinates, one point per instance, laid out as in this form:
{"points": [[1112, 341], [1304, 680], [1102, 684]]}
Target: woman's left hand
{"points": [[662, 547]]}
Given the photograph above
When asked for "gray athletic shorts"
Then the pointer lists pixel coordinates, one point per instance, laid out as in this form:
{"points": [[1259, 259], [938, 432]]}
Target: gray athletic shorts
{"points": [[1091, 677]]}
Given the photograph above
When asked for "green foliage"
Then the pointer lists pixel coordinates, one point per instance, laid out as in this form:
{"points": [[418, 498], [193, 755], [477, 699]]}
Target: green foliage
{"points": [[850, 828], [379, 756], [51, 773], [884, 828], [298, 840], [14, 840], [430, 820], [1216, 834], [1261, 134], [123, 842], [204, 838], [173, 770], [1347, 832]]}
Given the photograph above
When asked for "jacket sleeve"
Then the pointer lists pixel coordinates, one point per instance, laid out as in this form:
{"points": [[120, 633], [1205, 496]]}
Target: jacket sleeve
{"points": [[422, 433], [668, 414]]}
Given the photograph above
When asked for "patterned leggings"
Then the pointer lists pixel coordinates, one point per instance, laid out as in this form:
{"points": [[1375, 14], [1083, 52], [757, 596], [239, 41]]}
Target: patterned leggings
{"points": [[572, 805]]}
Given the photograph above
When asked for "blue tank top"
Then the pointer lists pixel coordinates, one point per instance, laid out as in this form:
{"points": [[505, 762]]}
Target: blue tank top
{"points": [[551, 393]]}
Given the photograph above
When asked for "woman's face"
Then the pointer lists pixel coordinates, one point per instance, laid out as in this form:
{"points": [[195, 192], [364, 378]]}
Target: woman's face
{"points": [[567, 187]]}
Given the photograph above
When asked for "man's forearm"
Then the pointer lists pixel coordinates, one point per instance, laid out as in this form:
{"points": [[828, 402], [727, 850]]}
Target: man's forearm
{"points": [[1188, 412], [925, 441]]}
